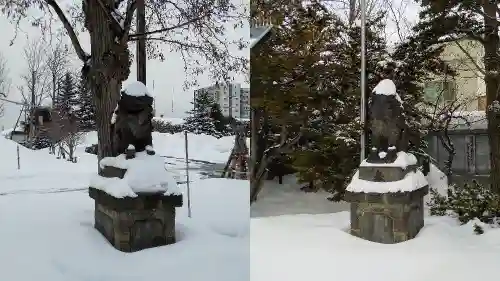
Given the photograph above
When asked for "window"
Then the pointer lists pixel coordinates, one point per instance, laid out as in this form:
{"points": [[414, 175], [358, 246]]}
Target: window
{"points": [[482, 152], [481, 103], [440, 90], [460, 160]]}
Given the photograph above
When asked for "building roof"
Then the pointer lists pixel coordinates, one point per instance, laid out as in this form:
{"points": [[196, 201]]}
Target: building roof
{"points": [[258, 33]]}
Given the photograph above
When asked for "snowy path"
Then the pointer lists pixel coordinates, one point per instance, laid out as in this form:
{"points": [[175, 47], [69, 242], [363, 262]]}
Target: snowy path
{"points": [[287, 199]]}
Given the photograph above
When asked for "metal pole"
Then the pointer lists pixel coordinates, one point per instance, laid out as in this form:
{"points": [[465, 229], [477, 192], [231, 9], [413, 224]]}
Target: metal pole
{"points": [[18, 159], [187, 174], [363, 78]]}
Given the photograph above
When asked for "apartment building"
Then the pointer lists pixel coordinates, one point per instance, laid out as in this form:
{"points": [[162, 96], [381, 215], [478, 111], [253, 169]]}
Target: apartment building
{"points": [[233, 99], [467, 88]]}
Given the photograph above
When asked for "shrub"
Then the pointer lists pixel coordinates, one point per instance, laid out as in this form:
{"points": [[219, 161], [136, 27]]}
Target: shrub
{"points": [[467, 202], [163, 126]]}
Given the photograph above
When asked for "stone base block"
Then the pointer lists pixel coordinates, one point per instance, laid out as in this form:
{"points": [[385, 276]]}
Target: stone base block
{"points": [[387, 217], [133, 224]]}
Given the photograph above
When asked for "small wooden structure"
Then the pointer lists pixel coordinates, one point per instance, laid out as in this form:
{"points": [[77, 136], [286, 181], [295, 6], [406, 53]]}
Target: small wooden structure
{"points": [[237, 164]]}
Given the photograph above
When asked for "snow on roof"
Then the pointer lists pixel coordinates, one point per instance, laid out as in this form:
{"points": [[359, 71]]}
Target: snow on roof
{"points": [[469, 120], [145, 173], [388, 88], [257, 33], [137, 89], [403, 160], [411, 182], [46, 102]]}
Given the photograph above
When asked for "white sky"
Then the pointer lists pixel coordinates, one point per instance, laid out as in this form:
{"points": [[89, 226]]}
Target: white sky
{"points": [[168, 76]]}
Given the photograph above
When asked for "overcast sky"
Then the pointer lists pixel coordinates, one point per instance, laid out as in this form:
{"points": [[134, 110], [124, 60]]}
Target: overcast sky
{"points": [[168, 76]]}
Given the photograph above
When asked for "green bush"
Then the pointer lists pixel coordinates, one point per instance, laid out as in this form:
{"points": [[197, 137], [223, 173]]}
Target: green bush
{"points": [[467, 202], [165, 127]]}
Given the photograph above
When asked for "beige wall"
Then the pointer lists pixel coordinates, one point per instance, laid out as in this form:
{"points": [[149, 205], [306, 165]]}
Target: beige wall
{"points": [[469, 81]]}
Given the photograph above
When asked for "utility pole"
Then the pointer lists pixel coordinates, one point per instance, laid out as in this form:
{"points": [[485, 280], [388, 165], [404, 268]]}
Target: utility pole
{"points": [[363, 79], [141, 41]]}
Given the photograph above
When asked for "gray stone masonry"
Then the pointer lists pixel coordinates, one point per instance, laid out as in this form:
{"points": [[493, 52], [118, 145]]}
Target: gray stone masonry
{"points": [[387, 218], [134, 223]]}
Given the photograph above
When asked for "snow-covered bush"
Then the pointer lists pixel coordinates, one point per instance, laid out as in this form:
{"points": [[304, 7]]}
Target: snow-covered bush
{"points": [[467, 202], [166, 127]]}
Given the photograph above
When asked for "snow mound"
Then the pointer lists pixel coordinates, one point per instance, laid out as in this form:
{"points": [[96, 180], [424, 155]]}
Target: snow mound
{"points": [[145, 173], [388, 88], [443, 250], [137, 89], [403, 160], [411, 182], [438, 181]]}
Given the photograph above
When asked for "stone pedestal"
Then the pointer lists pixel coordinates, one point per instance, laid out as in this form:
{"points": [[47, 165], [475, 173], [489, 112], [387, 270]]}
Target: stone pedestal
{"points": [[390, 217], [134, 223]]}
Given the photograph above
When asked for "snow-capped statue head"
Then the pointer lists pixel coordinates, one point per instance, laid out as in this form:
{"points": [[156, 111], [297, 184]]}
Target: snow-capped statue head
{"points": [[388, 88], [137, 89]]}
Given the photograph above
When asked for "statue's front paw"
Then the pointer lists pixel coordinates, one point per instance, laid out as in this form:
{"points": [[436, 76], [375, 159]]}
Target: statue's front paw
{"points": [[150, 150]]}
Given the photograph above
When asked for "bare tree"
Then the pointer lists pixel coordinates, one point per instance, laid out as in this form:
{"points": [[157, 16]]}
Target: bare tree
{"points": [[57, 62], [4, 82], [36, 86], [65, 130], [194, 29]]}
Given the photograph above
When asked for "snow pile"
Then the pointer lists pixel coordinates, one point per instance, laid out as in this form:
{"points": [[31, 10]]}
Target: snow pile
{"points": [[438, 181], [137, 89], [145, 173], [201, 147], [403, 160], [388, 88], [306, 247], [411, 182]]}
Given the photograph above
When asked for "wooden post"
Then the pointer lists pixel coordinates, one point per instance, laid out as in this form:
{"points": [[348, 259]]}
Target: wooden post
{"points": [[141, 42], [187, 173]]}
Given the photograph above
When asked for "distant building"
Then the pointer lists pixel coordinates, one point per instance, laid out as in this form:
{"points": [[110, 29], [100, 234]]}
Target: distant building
{"points": [[233, 100]]}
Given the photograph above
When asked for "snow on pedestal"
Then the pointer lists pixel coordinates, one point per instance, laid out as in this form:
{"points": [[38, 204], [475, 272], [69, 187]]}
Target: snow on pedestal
{"points": [[387, 200], [144, 174], [399, 176], [135, 201]]}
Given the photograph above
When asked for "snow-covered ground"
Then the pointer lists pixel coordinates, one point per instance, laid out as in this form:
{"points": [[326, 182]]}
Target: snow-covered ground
{"points": [[46, 219], [303, 242]]}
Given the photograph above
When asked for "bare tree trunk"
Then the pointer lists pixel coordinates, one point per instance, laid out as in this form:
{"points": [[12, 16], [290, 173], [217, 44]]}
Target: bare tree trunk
{"points": [[110, 63], [492, 81], [141, 43]]}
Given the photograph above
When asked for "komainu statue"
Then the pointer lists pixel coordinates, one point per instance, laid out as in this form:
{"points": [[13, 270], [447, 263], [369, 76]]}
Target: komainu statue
{"points": [[387, 123], [132, 120]]}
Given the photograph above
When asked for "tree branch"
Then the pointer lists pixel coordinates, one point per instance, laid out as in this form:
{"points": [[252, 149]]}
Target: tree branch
{"points": [[132, 36], [115, 25], [131, 6], [470, 58], [71, 32]]}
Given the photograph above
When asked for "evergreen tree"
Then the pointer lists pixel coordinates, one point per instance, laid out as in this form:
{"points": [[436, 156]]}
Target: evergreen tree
{"points": [[86, 110], [200, 119], [67, 100]]}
